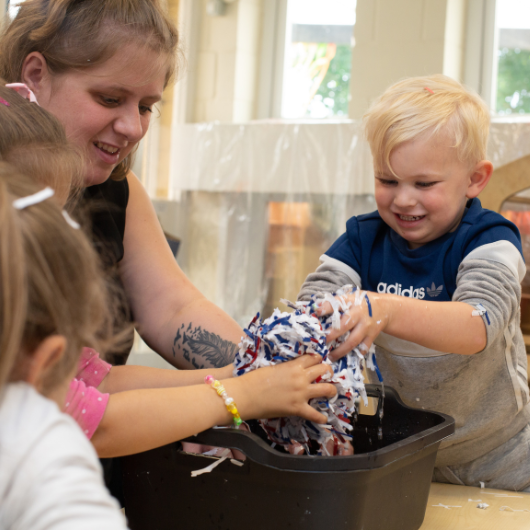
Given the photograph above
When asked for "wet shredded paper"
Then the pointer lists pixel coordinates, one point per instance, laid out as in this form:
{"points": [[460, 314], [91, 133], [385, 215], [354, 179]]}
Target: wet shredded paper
{"points": [[285, 336]]}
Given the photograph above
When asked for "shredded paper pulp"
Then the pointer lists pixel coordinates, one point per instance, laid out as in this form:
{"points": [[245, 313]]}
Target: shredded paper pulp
{"points": [[285, 336]]}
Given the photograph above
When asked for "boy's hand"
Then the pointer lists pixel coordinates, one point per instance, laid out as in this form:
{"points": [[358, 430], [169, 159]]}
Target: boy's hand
{"points": [[364, 322]]}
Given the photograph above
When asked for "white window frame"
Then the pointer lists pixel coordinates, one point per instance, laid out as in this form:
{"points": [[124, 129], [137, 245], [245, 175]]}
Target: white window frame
{"points": [[147, 157], [189, 21], [480, 71], [275, 42], [272, 62]]}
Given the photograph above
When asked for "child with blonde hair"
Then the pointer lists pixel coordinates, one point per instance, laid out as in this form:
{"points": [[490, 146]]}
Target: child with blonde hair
{"points": [[442, 277]]}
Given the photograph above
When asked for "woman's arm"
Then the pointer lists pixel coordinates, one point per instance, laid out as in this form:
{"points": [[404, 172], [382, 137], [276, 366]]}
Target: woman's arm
{"points": [[173, 317], [139, 420]]}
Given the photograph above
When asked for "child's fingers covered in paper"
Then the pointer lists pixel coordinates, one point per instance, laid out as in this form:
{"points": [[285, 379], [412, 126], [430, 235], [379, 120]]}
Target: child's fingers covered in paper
{"points": [[364, 320]]}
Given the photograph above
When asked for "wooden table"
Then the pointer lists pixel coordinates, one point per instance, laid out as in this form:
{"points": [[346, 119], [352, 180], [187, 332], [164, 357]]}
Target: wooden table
{"points": [[459, 513]]}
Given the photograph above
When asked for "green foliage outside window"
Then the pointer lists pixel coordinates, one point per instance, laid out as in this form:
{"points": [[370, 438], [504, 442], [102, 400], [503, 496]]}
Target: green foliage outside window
{"points": [[513, 81], [336, 85]]}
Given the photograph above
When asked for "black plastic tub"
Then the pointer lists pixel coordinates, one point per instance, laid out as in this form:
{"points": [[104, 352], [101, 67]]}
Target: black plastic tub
{"points": [[383, 486]]}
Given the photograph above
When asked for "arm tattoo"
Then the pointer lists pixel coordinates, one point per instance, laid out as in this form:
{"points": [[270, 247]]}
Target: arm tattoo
{"points": [[203, 349]]}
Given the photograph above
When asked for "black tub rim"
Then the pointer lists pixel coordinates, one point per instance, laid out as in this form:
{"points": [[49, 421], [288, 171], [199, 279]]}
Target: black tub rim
{"points": [[260, 452]]}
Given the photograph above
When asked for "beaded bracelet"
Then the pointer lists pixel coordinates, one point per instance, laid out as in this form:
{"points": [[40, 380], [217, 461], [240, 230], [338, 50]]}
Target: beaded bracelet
{"points": [[229, 402]]}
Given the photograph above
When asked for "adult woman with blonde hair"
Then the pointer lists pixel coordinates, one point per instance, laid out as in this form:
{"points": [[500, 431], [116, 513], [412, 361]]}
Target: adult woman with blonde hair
{"points": [[100, 66], [55, 294]]}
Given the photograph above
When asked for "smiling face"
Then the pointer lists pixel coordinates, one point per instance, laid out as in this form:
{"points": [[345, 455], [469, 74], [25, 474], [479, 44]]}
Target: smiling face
{"points": [[428, 198], [106, 109]]}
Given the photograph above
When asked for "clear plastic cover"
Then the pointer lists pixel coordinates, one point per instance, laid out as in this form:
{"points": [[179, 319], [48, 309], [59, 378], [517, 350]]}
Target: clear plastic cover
{"points": [[256, 204], [509, 140]]}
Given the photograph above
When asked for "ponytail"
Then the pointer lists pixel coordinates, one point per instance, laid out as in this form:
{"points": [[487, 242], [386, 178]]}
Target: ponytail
{"points": [[13, 287], [51, 283]]}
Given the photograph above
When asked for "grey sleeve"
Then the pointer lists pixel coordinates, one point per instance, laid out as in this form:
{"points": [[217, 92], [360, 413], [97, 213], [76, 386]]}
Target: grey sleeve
{"points": [[493, 285], [331, 275]]}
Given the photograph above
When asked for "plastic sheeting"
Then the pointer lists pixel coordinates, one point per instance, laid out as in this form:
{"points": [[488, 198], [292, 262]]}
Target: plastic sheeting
{"points": [[256, 204], [272, 157], [509, 140]]}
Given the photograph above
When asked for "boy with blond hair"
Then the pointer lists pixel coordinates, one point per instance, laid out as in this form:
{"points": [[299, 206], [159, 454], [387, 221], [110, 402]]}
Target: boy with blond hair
{"points": [[442, 277]]}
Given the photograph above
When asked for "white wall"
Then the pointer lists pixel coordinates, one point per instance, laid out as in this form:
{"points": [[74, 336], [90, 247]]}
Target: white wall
{"points": [[397, 39], [227, 63]]}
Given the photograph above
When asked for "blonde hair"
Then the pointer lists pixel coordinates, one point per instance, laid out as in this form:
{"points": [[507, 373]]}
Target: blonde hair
{"points": [[71, 34], [50, 282], [34, 141], [420, 105]]}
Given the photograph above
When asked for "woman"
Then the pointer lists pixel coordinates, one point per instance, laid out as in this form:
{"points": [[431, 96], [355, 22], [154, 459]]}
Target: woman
{"points": [[100, 66]]}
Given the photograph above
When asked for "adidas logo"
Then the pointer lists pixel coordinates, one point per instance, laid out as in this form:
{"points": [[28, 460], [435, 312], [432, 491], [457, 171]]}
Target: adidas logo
{"points": [[434, 291]]}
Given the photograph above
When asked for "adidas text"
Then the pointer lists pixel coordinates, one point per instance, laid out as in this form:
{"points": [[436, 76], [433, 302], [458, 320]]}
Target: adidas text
{"points": [[396, 288]]}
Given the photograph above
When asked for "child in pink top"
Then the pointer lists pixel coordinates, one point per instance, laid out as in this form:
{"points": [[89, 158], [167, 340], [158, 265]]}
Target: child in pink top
{"points": [[84, 402]]}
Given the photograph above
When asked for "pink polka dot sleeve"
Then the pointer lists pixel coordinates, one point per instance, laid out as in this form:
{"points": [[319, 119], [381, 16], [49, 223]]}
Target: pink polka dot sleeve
{"points": [[91, 369], [86, 405], [84, 402]]}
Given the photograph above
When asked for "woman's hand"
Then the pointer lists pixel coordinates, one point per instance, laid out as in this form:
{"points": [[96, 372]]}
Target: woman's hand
{"points": [[364, 321], [282, 390]]}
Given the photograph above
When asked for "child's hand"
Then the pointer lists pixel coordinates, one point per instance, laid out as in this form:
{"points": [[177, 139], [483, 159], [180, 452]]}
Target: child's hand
{"points": [[363, 328], [285, 389]]}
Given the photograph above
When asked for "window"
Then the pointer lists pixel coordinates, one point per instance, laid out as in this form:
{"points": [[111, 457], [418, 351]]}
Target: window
{"points": [[317, 61], [513, 57], [13, 7]]}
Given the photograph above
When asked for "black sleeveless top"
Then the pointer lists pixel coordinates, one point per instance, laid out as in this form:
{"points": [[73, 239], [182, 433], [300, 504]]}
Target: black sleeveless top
{"points": [[107, 204]]}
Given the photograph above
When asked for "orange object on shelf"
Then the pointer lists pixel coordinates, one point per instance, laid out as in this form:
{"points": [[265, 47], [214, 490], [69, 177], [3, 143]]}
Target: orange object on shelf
{"points": [[521, 219]]}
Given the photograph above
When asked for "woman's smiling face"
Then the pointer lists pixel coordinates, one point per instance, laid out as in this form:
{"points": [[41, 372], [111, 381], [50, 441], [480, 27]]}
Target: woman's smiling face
{"points": [[106, 109]]}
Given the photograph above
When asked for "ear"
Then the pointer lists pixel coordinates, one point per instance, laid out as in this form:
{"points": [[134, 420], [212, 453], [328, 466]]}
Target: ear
{"points": [[479, 178], [43, 359], [36, 75]]}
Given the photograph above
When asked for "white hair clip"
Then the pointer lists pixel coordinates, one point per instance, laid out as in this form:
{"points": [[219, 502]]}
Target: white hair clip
{"points": [[30, 200], [24, 91], [41, 196], [70, 221]]}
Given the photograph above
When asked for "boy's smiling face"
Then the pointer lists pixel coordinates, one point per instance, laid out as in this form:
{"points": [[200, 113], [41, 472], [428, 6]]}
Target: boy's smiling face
{"points": [[428, 198]]}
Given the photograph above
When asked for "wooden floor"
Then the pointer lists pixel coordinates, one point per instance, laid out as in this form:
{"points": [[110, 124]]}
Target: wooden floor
{"points": [[460, 513]]}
